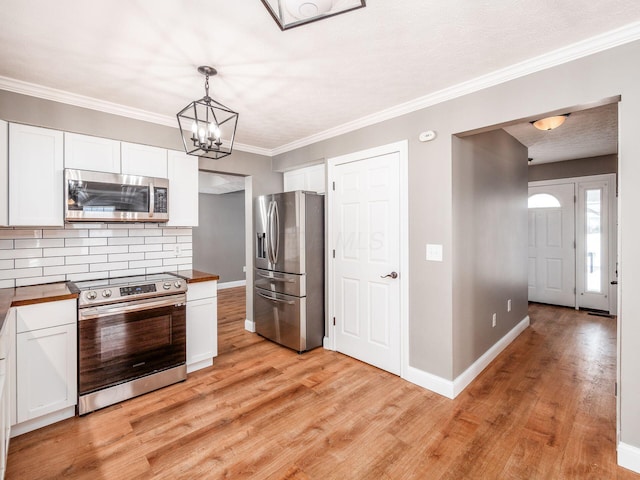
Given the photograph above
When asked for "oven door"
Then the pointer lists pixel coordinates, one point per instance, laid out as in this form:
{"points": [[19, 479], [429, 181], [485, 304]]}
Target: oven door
{"points": [[124, 341]]}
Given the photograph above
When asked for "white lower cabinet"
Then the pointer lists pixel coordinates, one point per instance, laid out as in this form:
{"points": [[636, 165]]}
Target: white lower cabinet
{"points": [[6, 335], [46, 364], [202, 324]]}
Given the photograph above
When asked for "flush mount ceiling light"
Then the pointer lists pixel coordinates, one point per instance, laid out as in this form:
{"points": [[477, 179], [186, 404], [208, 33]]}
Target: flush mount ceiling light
{"points": [[208, 128], [549, 123], [293, 13]]}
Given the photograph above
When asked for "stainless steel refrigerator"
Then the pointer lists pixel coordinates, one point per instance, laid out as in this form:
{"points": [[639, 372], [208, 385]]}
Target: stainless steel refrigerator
{"points": [[288, 298]]}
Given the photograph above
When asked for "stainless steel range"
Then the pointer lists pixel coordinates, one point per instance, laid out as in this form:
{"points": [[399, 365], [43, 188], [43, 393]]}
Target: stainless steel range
{"points": [[131, 337]]}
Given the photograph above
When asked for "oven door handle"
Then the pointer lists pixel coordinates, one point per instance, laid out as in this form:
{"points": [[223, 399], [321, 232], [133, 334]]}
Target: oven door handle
{"points": [[96, 312]]}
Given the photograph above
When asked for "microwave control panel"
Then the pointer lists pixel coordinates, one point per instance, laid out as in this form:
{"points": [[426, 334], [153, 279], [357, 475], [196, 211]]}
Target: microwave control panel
{"points": [[160, 200]]}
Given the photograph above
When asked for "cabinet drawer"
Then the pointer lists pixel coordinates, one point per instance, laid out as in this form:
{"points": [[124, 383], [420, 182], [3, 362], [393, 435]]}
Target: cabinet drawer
{"points": [[196, 291], [45, 315]]}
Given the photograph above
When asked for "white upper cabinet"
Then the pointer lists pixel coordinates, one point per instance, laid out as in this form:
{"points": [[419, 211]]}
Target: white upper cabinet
{"points": [[308, 178], [4, 173], [85, 152], [143, 160], [35, 176], [183, 189]]}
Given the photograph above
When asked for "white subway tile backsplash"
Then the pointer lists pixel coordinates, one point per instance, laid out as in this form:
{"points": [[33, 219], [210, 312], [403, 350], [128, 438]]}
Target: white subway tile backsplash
{"points": [[75, 260], [20, 273], [64, 233], [64, 269], [105, 267], [65, 251], [126, 273], [146, 263], [108, 233], [126, 241], [90, 251], [145, 248], [39, 243], [21, 233], [85, 242], [109, 249], [146, 233], [21, 253], [152, 240], [120, 257], [38, 262], [23, 282]]}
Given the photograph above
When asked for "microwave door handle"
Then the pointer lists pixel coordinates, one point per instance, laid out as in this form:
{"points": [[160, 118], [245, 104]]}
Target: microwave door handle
{"points": [[152, 199]]}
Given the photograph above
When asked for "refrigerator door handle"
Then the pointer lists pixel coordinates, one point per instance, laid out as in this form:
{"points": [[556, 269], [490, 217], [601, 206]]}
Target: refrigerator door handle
{"points": [[276, 279], [274, 233], [269, 229], [277, 300]]}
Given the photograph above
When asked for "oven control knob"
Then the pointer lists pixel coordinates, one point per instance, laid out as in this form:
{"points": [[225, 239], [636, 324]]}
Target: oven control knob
{"points": [[178, 284], [166, 285], [91, 295], [106, 293]]}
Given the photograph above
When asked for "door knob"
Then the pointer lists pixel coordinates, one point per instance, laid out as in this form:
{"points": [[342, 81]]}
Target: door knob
{"points": [[392, 275]]}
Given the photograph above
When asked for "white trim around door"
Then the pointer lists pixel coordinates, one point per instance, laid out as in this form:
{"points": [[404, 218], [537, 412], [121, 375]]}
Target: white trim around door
{"points": [[401, 148]]}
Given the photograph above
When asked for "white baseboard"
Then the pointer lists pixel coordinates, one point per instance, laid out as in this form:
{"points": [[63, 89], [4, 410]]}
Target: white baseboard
{"points": [[629, 457], [429, 381], [463, 380], [250, 326], [451, 389], [238, 283]]}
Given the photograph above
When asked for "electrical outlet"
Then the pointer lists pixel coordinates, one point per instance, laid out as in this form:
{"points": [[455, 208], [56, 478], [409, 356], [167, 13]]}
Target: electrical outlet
{"points": [[177, 250], [509, 305], [495, 320], [244, 269]]}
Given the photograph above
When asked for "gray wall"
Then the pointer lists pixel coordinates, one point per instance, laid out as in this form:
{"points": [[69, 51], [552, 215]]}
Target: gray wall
{"points": [[564, 88], [490, 242], [574, 168], [219, 238]]}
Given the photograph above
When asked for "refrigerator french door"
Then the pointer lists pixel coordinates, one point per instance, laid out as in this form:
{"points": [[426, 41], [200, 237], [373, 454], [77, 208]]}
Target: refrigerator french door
{"points": [[288, 298]]}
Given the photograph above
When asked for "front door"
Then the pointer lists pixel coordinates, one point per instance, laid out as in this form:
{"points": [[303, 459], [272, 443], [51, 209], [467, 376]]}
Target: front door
{"points": [[552, 276], [365, 238]]}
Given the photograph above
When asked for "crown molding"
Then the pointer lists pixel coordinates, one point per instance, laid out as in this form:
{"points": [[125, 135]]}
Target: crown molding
{"points": [[598, 43], [62, 96]]}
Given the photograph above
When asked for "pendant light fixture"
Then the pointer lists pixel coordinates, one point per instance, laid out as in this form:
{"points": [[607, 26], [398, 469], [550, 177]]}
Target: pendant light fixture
{"points": [[208, 128], [549, 123], [293, 13]]}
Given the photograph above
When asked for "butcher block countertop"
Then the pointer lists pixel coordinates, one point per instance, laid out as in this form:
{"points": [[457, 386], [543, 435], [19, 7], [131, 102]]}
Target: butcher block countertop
{"points": [[20, 296], [195, 276]]}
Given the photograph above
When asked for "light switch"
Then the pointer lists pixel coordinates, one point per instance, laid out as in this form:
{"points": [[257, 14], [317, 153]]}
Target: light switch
{"points": [[434, 252]]}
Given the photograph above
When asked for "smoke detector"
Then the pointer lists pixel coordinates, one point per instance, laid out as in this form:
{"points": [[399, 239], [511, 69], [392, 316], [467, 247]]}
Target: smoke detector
{"points": [[302, 9]]}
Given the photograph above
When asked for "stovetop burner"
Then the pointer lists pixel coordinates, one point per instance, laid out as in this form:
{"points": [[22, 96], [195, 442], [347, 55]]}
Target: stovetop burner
{"points": [[120, 289]]}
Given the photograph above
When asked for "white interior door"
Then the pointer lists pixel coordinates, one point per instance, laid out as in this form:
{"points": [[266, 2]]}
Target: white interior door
{"points": [[593, 245], [365, 237], [552, 244]]}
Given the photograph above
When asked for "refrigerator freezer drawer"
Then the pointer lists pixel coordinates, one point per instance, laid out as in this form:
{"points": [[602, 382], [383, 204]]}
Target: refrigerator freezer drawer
{"points": [[284, 319], [287, 283]]}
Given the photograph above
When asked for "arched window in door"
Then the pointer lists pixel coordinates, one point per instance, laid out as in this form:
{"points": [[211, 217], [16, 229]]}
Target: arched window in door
{"points": [[543, 200]]}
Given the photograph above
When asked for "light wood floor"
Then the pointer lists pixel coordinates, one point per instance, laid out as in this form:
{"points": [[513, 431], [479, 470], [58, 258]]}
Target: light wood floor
{"points": [[545, 409]]}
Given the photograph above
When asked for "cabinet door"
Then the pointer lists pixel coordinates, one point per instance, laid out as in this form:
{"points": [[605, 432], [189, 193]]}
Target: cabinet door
{"points": [[143, 160], [46, 371], [4, 173], [91, 153], [202, 330], [183, 189], [308, 178], [35, 176]]}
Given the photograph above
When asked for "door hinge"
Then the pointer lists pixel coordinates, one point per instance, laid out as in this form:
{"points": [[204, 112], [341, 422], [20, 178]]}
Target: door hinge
{"points": [[615, 387], [574, 290], [334, 321], [334, 253], [575, 199], [334, 186]]}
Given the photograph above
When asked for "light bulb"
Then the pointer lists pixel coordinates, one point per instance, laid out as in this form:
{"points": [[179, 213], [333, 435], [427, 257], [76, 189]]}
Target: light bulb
{"points": [[194, 130], [201, 134]]}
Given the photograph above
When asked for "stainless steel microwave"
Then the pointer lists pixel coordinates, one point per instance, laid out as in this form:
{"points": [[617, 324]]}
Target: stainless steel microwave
{"points": [[111, 197]]}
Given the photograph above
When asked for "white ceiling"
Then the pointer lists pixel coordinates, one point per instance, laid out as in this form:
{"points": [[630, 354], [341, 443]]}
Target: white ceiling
{"points": [[586, 133], [288, 85]]}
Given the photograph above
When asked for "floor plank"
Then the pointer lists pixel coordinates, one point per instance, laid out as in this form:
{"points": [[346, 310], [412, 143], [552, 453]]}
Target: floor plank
{"points": [[543, 409]]}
